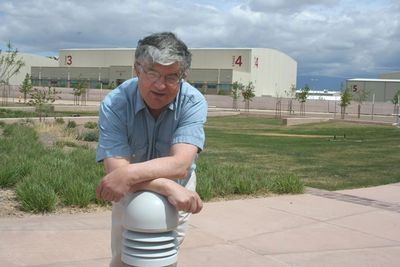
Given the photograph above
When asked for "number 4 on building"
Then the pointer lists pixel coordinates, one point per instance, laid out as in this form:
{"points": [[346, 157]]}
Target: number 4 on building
{"points": [[238, 61], [256, 62]]}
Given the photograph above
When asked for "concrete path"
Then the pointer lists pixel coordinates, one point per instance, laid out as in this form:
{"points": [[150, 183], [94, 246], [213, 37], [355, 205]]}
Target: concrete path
{"points": [[358, 227]]}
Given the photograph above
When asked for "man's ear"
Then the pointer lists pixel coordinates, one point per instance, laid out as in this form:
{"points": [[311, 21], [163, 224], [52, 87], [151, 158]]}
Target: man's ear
{"points": [[135, 69]]}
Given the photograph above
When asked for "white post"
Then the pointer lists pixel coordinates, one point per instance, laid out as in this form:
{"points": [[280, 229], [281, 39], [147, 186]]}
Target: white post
{"points": [[101, 86], [373, 103], [398, 104]]}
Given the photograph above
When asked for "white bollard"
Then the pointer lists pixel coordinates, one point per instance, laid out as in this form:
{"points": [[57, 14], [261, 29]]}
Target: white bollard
{"points": [[149, 236]]}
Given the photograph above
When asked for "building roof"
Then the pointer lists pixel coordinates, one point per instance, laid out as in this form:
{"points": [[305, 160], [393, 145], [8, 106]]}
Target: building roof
{"points": [[373, 80]]}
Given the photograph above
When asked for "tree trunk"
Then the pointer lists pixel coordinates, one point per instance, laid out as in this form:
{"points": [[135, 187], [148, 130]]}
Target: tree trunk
{"points": [[302, 109], [234, 104], [247, 105], [342, 111], [278, 109]]}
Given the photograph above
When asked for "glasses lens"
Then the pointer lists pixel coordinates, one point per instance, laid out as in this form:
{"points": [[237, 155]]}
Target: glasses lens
{"points": [[153, 75], [172, 79]]}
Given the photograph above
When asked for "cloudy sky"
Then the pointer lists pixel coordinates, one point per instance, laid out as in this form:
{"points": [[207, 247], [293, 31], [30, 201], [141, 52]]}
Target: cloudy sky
{"points": [[326, 37]]}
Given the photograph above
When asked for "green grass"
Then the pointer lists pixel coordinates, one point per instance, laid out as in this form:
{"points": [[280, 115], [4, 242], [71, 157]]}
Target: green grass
{"points": [[46, 178], [332, 155], [9, 113], [243, 155]]}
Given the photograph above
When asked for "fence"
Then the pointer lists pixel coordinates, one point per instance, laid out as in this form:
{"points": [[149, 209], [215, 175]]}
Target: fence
{"points": [[223, 101]]}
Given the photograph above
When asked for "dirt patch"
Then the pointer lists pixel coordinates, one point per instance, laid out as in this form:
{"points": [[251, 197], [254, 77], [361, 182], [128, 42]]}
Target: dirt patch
{"points": [[9, 206]]}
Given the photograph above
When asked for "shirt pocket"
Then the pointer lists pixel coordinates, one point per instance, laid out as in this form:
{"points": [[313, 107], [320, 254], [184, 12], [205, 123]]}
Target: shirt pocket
{"points": [[139, 153], [162, 149]]}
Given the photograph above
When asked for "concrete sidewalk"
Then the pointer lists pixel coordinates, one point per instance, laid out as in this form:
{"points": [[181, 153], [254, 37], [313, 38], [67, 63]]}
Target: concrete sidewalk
{"points": [[345, 228]]}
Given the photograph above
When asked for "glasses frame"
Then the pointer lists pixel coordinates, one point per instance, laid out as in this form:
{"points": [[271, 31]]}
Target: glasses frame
{"points": [[154, 76]]}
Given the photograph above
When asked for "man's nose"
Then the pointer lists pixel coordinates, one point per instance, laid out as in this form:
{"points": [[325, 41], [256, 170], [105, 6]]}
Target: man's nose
{"points": [[161, 82]]}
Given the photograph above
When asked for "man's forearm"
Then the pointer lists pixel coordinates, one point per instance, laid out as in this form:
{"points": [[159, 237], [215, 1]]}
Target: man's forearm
{"points": [[166, 167], [122, 175], [182, 198], [161, 186]]}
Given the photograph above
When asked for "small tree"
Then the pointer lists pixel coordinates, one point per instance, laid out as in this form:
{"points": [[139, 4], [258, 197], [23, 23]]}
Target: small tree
{"points": [[236, 91], [291, 93], [248, 95], [345, 100], [79, 92], [302, 98], [204, 88], [42, 100], [10, 65], [26, 86], [278, 105], [360, 96], [395, 101]]}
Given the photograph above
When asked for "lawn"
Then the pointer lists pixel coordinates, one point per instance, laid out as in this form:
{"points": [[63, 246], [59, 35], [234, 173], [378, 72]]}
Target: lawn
{"points": [[331, 155], [244, 155]]}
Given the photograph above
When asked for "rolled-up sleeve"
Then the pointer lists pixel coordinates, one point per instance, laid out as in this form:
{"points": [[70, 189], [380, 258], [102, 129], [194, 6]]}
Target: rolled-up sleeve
{"points": [[113, 137], [191, 126]]}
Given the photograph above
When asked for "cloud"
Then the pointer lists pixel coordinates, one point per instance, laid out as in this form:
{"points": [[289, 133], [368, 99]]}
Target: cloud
{"points": [[325, 37], [269, 6]]}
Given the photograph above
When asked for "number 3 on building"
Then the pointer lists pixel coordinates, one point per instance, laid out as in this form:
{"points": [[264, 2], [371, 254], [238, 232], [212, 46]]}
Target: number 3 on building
{"points": [[237, 61], [68, 60]]}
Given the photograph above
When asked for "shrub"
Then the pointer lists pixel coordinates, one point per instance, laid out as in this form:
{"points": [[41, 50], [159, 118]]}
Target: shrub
{"points": [[90, 125], [287, 184], [59, 120], [36, 197], [71, 124], [79, 194], [229, 179], [62, 144], [92, 136], [12, 174]]}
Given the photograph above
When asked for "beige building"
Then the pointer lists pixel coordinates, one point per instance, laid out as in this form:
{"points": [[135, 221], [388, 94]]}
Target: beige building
{"points": [[380, 90], [271, 72], [30, 60]]}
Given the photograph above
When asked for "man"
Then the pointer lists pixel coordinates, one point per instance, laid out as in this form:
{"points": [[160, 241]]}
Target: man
{"points": [[151, 130]]}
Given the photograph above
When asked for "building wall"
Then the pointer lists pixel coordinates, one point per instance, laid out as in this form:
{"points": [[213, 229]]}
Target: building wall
{"points": [[30, 60], [96, 57], [384, 90], [271, 72]]}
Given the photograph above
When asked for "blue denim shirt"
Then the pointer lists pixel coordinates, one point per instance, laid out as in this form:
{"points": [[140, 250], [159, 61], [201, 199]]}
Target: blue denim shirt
{"points": [[127, 128]]}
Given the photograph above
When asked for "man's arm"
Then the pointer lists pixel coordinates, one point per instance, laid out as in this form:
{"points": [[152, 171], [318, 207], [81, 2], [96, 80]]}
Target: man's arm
{"points": [[123, 177]]}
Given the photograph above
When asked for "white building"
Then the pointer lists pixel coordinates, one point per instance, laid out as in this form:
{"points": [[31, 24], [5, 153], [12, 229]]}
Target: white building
{"points": [[271, 72], [30, 60]]}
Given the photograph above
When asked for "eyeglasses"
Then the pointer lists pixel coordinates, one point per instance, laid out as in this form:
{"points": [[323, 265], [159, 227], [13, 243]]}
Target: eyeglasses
{"points": [[154, 76]]}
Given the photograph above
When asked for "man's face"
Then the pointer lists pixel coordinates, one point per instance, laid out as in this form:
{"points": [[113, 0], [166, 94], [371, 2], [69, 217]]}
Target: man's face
{"points": [[158, 85]]}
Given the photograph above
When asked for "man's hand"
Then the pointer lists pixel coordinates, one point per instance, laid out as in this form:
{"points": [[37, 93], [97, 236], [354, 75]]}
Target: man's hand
{"points": [[114, 185], [185, 200]]}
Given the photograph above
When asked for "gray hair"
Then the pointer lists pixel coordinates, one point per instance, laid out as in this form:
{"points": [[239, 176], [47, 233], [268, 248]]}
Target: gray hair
{"points": [[163, 48]]}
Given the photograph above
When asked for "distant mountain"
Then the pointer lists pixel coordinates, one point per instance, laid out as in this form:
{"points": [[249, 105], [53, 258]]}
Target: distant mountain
{"points": [[320, 82]]}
